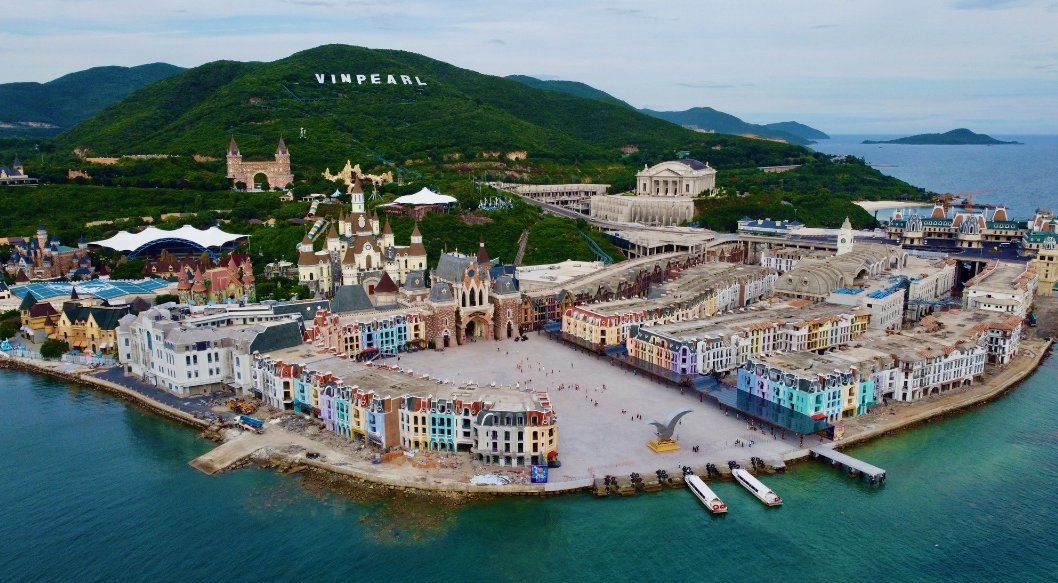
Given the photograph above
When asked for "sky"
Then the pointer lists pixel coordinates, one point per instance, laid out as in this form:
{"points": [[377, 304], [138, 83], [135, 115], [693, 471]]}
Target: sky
{"points": [[843, 66]]}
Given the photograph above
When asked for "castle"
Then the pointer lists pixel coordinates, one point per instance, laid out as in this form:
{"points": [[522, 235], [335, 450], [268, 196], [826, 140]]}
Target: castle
{"points": [[39, 258], [218, 285], [358, 252], [277, 172]]}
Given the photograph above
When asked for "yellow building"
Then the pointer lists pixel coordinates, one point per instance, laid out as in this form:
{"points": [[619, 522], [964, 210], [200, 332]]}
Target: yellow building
{"points": [[90, 329], [1046, 263]]}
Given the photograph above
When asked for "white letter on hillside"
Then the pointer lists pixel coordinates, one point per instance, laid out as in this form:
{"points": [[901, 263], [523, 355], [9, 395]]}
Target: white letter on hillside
{"points": [[405, 79], [419, 82], [332, 80], [376, 79], [319, 77], [347, 78], [391, 80], [360, 79]]}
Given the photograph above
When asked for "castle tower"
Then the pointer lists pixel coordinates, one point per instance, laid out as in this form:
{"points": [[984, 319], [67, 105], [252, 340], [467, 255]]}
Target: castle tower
{"points": [[42, 235], [17, 165], [198, 289], [82, 244], [234, 158], [374, 222], [845, 237], [249, 287], [387, 236], [282, 155], [334, 243], [357, 196]]}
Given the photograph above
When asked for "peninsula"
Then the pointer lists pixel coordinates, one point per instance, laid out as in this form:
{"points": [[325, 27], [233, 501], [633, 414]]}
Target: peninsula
{"points": [[957, 137]]}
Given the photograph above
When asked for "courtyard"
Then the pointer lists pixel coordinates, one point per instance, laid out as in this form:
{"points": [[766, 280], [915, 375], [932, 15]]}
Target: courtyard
{"points": [[598, 405]]}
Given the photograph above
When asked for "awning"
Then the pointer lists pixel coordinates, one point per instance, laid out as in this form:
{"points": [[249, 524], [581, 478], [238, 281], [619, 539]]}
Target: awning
{"points": [[819, 416], [103, 346]]}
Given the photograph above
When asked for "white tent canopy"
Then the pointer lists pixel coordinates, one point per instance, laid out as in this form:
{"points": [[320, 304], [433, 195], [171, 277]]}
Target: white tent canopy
{"points": [[425, 196], [126, 241]]}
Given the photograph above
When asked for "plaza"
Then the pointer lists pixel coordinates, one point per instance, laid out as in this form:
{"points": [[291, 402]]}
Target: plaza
{"points": [[604, 438]]}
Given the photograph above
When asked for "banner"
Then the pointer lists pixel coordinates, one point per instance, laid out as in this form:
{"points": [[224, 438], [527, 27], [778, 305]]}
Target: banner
{"points": [[539, 475]]}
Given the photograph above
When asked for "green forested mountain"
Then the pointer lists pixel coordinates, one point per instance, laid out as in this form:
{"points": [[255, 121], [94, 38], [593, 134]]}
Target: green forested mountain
{"points": [[72, 98], [571, 87], [707, 118], [446, 113], [798, 129]]}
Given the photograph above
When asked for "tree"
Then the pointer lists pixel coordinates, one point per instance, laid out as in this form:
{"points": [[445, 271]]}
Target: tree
{"points": [[128, 270], [54, 348], [166, 298]]}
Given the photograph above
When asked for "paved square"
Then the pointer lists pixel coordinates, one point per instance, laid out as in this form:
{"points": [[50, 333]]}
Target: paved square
{"points": [[603, 438]]}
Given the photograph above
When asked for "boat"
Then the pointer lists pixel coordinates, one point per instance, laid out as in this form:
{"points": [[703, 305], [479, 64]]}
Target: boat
{"points": [[705, 494], [756, 487]]}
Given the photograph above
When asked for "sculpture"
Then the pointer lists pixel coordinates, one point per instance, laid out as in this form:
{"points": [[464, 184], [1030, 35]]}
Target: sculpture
{"points": [[664, 440]]}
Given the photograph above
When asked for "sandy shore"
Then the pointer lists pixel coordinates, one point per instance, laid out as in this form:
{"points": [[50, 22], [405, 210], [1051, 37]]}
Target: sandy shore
{"points": [[449, 475]]}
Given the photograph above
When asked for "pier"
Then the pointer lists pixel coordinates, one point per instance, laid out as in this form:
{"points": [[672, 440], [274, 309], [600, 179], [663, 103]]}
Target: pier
{"points": [[873, 474]]}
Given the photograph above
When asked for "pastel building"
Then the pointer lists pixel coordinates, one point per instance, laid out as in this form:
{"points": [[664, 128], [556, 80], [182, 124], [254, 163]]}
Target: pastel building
{"points": [[822, 387]]}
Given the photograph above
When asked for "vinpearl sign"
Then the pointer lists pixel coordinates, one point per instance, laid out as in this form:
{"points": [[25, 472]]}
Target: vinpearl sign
{"points": [[373, 79]]}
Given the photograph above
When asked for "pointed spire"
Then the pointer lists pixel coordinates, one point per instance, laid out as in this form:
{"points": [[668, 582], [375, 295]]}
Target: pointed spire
{"points": [[385, 285], [233, 150], [73, 293], [386, 230], [282, 149], [17, 163], [357, 187], [482, 257], [332, 233], [415, 232]]}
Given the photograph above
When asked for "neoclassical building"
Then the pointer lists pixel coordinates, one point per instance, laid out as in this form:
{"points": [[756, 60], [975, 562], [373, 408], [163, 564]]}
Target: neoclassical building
{"points": [[664, 195], [684, 177]]}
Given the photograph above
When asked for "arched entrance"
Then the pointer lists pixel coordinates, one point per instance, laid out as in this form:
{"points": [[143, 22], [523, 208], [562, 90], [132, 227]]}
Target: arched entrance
{"points": [[446, 338], [510, 329], [259, 182], [476, 328]]}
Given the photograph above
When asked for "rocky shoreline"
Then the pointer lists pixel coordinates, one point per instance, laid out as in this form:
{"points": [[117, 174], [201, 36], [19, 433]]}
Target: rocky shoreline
{"points": [[356, 482]]}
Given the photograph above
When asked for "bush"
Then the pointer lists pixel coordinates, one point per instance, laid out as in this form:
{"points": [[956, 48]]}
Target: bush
{"points": [[166, 298], [54, 348]]}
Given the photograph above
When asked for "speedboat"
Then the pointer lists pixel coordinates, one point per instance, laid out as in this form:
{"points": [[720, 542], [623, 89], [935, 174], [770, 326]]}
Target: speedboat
{"points": [[705, 494], [756, 487]]}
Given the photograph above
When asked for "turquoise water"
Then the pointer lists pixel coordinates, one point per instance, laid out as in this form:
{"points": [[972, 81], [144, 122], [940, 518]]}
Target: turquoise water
{"points": [[94, 489], [1024, 176]]}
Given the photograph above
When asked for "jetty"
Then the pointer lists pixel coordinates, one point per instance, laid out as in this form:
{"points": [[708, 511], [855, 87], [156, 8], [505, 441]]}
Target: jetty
{"points": [[872, 474]]}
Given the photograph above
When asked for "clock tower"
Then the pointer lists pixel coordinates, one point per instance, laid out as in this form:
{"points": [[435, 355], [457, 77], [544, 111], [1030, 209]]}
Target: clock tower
{"points": [[845, 237]]}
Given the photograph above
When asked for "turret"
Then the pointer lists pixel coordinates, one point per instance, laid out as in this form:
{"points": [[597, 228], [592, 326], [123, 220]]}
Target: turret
{"points": [[234, 158], [82, 244], [17, 165], [482, 257], [356, 196], [845, 237], [387, 236], [374, 222], [282, 155]]}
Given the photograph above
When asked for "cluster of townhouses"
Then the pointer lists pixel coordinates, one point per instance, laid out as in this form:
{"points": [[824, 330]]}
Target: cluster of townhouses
{"points": [[824, 334], [401, 410]]}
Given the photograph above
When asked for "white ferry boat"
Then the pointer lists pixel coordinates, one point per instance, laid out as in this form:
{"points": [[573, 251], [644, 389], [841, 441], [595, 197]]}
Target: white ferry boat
{"points": [[756, 488], [705, 494]]}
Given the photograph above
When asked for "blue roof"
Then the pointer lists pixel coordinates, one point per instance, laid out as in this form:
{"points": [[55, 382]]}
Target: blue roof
{"points": [[104, 290]]}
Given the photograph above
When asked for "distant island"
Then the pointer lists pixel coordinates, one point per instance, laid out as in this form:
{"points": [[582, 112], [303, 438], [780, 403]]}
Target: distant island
{"points": [[959, 137]]}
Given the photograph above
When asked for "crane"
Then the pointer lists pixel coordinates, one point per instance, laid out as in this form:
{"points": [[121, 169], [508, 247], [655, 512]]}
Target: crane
{"points": [[947, 200]]}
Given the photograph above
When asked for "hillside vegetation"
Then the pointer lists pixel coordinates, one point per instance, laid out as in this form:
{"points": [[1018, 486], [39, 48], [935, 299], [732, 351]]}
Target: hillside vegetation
{"points": [[72, 98]]}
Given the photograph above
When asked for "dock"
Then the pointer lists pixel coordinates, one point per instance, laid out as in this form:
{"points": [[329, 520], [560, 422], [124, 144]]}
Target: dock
{"points": [[872, 474], [228, 454]]}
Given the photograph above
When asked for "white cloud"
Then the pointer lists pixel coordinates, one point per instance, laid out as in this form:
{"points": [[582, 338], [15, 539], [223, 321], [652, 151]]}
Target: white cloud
{"points": [[847, 65]]}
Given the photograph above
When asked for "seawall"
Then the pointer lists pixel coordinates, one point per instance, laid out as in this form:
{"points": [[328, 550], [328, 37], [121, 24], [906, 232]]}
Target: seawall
{"points": [[370, 475]]}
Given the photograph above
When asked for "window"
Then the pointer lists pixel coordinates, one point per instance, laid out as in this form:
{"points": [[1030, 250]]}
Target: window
{"points": [[209, 358], [188, 374], [195, 359]]}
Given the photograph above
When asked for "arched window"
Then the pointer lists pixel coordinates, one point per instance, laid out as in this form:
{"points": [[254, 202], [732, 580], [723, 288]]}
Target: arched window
{"points": [[481, 295]]}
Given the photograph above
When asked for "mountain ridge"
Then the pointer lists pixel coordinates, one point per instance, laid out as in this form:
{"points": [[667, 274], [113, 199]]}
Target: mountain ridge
{"points": [[45, 109]]}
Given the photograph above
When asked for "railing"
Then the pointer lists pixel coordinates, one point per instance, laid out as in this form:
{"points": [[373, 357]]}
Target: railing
{"points": [[596, 249], [82, 359], [22, 353]]}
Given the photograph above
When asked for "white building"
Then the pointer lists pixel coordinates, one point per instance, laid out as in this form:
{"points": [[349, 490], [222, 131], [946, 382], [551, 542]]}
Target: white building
{"points": [[1002, 287], [196, 356], [683, 177]]}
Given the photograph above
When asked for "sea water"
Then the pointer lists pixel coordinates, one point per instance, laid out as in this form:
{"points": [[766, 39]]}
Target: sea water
{"points": [[1025, 176], [95, 489]]}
